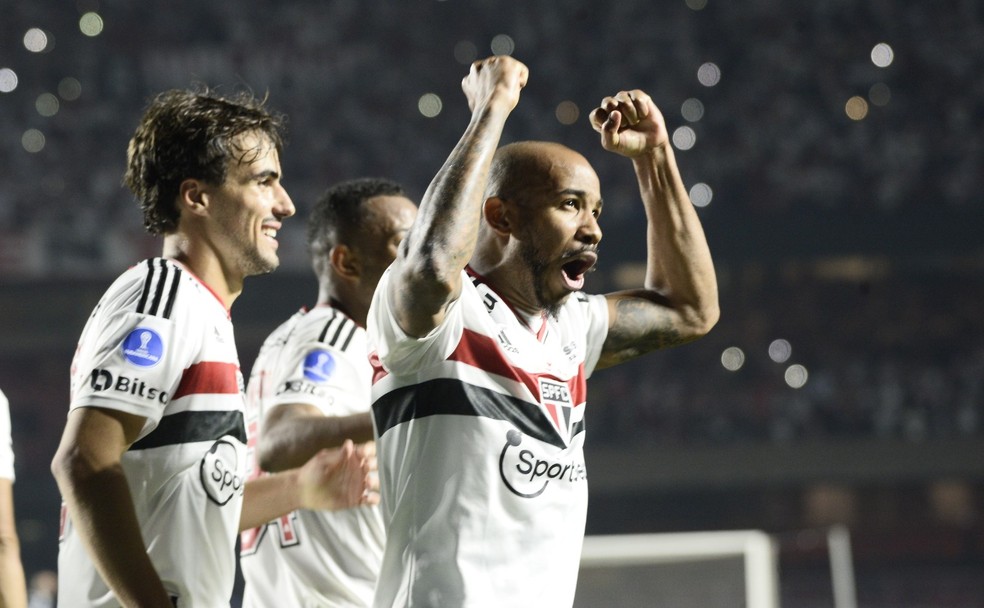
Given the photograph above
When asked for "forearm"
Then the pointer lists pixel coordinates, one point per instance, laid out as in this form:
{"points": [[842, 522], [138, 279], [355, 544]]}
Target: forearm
{"points": [[268, 497], [678, 265], [13, 588], [445, 231], [101, 510], [291, 441]]}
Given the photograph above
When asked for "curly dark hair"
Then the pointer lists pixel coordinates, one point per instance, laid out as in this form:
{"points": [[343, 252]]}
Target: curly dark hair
{"points": [[339, 215], [187, 134]]}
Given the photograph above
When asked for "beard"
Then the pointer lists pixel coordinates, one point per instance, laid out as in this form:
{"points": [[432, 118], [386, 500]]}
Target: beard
{"points": [[538, 266]]}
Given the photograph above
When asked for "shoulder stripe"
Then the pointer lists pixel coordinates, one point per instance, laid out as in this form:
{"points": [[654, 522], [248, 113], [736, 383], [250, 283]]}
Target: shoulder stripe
{"points": [[339, 323], [172, 295], [348, 338], [156, 303], [157, 281], [191, 426], [146, 286], [445, 396], [324, 332]]}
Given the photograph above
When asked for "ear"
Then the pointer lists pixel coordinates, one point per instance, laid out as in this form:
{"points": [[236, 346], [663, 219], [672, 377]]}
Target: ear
{"points": [[345, 261], [496, 213], [193, 197]]}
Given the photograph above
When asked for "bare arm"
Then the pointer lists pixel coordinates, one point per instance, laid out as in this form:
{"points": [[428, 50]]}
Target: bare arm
{"points": [[679, 300], [427, 272], [13, 587], [294, 432], [90, 476], [332, 479]]}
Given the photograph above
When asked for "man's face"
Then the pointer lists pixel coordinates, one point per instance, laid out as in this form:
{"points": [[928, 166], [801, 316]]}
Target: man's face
{"points": [[558, 232], [388, 220], [248, 207]]}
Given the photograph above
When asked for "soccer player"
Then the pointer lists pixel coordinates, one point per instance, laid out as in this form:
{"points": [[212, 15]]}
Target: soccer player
{"points": [[13, 587], [485, 340], [151, 464], [309, 389]]}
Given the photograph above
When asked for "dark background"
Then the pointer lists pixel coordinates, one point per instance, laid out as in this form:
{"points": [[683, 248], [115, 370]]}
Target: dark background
{"points": [[853, 239]]}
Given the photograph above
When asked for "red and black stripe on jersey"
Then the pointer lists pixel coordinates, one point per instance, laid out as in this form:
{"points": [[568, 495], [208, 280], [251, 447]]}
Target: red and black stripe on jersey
{"points": [[453, 396]]}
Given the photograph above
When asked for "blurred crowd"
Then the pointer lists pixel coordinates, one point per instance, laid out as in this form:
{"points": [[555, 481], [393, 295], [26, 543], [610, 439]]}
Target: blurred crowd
{"points": [[769, 130]]}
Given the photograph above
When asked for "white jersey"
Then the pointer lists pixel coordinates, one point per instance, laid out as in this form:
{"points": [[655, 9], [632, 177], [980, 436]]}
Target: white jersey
{"points": [[480, 426], [160, 345], [311, 558], [6, 443]]}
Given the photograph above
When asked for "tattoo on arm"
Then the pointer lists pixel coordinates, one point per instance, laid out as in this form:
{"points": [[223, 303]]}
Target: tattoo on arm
{"points": [[639, 326]]}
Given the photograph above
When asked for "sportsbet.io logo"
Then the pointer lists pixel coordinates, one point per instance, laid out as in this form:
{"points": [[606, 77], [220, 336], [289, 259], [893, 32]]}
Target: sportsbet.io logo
{"points": [[527, 473], [221, 477], [143, 347]]}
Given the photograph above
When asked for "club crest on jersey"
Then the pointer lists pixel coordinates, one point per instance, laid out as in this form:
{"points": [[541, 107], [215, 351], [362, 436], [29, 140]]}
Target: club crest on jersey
{"points": [[556, 399], [526, 472], [220, 474], [143, 347], [319, 365]]}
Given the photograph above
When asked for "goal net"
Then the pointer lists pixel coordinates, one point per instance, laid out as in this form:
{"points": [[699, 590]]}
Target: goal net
{"points": [[679, 570]]}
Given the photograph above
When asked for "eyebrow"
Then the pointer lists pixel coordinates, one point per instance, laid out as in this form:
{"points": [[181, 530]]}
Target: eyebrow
{"points": [[265, 174], [581, 194]]}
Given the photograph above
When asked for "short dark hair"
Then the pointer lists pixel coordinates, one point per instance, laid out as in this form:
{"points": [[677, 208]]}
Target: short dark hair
{"points": [[339, 214], [187, 134]]}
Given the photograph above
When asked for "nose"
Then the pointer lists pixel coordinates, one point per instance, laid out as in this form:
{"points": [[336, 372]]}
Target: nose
{"points": [[590, 230], [284, 206]]}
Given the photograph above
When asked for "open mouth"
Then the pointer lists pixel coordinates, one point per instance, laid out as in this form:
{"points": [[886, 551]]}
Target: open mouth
{"points": [[575, 269]]}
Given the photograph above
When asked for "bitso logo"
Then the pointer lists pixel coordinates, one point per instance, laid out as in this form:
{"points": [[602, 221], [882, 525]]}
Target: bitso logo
{"points": [[220, 472], [101, 380], [143, 347], [527, 473], [318, 365]]}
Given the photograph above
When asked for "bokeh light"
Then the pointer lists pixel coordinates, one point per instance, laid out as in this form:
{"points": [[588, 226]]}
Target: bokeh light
{"points": [[91, 24], [880, 94], [8, 80], [430, 105], [503, 45], [692, 110], [701, 195], [465, 52], [696, 5], [69, 89], [709, 74], [33, 140], [567, 112], [780, 350], [796, 376], [46, 104], [684, 138], [733, 358], [36, 40], [856, 108], [882, 55]]}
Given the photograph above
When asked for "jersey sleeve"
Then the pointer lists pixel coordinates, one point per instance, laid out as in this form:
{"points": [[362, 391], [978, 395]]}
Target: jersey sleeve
{"points": [[314, 373], [404, 354], [132, 362], [595, 309]]}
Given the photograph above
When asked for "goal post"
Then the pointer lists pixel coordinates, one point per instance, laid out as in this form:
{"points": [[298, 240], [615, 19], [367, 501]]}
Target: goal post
{"points": [[748, 557]]}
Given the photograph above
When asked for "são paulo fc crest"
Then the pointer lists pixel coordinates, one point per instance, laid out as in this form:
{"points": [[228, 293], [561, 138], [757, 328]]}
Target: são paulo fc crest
{"points": [[319, 365], [556, 399], [143, 347]]}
